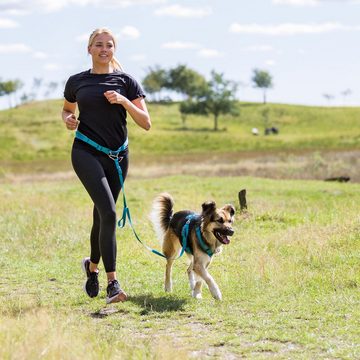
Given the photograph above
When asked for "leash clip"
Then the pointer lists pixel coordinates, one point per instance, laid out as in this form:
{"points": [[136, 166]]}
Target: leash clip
{"points": [[114, 156]]}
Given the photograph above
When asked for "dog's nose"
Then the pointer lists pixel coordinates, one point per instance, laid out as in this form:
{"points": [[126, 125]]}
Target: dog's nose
{"points": [[230, 232]]}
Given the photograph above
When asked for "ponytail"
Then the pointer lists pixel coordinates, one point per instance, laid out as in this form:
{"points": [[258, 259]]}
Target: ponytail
{"points": [[116, 64]]}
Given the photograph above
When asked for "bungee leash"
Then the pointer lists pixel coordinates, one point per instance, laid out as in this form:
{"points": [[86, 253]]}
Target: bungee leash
{"points": [[114, 155]]}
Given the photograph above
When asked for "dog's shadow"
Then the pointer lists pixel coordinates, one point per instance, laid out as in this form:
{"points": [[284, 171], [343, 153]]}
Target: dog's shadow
{"points": [[161, 304], [147, 303]]}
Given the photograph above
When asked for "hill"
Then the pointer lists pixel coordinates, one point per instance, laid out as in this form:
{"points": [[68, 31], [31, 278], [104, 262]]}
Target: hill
{"points": [[34, 134]]}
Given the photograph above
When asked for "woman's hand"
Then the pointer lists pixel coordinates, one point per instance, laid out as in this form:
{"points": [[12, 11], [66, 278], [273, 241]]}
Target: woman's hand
{"points": [[114, 97], [136, 108], [71, 122]]}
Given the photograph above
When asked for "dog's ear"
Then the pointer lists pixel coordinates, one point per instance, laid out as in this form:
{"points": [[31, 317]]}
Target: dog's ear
{"points": [[230, 208], [208, 207]]}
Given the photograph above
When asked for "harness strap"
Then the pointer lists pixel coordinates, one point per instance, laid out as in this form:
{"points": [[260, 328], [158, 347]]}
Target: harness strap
{"points": [[185, 235]]}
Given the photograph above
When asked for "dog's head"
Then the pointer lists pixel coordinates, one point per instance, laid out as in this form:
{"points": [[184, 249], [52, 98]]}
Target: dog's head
{"points": [[218, 222]]}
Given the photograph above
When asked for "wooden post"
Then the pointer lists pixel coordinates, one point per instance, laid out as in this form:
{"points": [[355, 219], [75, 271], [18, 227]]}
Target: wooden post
{"points": [[242, 199]]}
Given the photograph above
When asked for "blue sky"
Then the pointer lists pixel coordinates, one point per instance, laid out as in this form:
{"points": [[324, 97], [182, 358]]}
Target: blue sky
{"points": [[308, 46]]}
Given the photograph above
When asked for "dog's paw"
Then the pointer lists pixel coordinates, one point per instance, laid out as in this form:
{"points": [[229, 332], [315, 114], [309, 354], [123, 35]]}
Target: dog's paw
{"points": [[217, 295], [196, 295]]}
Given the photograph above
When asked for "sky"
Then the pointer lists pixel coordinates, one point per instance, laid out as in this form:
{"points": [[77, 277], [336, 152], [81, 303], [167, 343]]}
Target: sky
{"points": [[308, 46]]}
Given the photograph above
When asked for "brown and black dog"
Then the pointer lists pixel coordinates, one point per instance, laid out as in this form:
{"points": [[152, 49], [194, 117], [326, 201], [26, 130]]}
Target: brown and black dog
{"points": [[214, 226]]}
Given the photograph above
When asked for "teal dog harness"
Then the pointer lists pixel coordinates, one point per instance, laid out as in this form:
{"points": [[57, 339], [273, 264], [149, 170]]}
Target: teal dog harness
{"points": [[185, 236]]}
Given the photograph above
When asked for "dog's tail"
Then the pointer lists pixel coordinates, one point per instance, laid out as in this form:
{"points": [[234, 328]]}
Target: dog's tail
{"points": [[161, 214]]}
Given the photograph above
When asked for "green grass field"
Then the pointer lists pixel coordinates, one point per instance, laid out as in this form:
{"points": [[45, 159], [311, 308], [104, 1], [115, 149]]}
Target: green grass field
{"points": [[290, 277]]}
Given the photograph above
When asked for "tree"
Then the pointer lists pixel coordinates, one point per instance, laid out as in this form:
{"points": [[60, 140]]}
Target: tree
{"points": [[186, 81], [219, 98], [262, 80], [10, 87], [189, 84], [51, 87], [329, 97], [37, 82], [346, 93], [155, 81]]}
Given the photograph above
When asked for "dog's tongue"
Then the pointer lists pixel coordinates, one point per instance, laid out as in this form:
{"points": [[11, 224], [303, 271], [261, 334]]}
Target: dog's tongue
{"points": [[223, 238]]}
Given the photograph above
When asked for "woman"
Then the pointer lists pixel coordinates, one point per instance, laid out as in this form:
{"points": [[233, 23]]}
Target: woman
{"points": [[104, 94]]}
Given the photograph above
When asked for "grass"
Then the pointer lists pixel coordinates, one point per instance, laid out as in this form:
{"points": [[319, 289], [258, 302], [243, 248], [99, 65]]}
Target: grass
{"points": [[36, 132], [290, 277]]}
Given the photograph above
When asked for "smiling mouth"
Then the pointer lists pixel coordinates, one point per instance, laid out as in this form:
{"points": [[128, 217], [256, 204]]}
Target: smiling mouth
{"points": [[222, 237]]}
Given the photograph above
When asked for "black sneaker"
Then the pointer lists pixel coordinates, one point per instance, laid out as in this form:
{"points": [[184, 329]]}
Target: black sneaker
{"points": [[114, 293], [91, 286]]}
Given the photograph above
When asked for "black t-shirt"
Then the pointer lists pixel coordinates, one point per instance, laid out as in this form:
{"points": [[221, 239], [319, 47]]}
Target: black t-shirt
{"points": [[101, 121]]}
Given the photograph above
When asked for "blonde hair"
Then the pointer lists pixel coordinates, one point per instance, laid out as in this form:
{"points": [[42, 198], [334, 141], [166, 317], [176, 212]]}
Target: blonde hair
{"points": [[114, 61]]}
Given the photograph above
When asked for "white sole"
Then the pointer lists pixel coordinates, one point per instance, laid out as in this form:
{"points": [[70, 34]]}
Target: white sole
{"points": [[115, 298]]}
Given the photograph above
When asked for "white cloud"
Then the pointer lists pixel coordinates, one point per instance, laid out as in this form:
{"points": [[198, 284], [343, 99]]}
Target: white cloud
{"points": [[270, 62], [138, 57], [28, 6], [209, 53], [180, 45], [296, 2], [312, 2], [39, 55], [290, 28], [259, 48], [177, 10], [129, 32], [52, 67], [14, 49], [83, 37], [8, 24]]}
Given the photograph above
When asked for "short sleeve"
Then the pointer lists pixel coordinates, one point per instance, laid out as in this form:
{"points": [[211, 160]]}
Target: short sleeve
{"points": [[134, 89], [69, 93]]}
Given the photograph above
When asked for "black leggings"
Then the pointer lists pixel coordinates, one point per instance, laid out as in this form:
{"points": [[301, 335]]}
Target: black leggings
{"points": [[100, 178]]}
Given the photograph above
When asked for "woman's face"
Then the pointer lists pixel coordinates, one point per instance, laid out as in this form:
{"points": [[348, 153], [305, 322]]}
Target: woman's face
{"points": [[102, 49]]}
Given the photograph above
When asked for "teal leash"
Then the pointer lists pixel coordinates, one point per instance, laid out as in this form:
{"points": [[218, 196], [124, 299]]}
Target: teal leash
{"points": [[114, 155]]}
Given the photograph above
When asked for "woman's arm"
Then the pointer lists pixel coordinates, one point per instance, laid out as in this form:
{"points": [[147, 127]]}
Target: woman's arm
{"points": [[68, 115], [136, 108]]}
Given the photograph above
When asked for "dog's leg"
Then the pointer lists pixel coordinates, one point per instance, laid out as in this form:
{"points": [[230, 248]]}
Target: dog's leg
{"points": [[191, 275], [170, 249], [198, 287], [213, 287], [168, 277]]}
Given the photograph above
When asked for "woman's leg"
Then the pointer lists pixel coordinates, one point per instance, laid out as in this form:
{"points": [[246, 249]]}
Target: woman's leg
{"points": [[100, 178]]}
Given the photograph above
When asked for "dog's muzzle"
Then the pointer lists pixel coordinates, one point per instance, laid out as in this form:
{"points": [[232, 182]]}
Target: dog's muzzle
{"points": [[223, 235]]}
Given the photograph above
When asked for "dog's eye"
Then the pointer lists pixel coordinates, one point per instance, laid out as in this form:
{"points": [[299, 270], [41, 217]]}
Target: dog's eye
{"points": [[220, 220]]}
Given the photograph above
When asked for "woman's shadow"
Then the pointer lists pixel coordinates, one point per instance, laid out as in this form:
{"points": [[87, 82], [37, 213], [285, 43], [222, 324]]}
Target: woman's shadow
{"points": [[160, 304]]}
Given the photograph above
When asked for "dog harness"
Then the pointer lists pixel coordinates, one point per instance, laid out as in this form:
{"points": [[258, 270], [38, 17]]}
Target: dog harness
{"points": [[185, 236]]}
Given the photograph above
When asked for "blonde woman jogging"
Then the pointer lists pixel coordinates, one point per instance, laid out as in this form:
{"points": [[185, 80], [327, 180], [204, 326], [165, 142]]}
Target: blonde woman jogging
{"points": [[104, 95]]}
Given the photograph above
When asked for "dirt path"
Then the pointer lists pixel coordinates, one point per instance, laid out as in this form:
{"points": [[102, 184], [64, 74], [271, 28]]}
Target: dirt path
{"points": [[276, 165]]}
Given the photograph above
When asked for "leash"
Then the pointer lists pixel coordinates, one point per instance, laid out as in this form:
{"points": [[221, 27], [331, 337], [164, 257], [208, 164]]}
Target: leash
{"points": [[114, 155]]}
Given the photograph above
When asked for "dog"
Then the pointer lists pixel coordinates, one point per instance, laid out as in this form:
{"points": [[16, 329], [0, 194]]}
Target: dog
{"points": [[215, 228]]}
